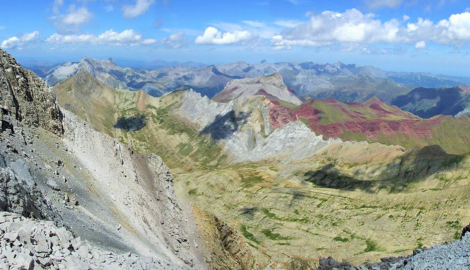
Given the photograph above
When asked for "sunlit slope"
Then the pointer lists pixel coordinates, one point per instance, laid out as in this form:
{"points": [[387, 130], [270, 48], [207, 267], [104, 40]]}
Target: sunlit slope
{"points": [[355, 200], [375, 121]]}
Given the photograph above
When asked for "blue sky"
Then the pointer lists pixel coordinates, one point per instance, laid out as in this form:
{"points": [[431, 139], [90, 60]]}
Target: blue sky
{"points": [[398, 35]]}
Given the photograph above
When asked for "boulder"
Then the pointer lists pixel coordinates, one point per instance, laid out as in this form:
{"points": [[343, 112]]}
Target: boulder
{"points": [[465, 230]]}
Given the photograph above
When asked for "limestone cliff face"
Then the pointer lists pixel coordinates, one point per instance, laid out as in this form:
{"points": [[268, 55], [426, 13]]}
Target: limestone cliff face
{"points": [[26, 98]]}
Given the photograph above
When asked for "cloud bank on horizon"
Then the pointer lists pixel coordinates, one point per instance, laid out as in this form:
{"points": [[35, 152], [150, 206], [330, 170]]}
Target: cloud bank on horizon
{"points": [[269, 27]]}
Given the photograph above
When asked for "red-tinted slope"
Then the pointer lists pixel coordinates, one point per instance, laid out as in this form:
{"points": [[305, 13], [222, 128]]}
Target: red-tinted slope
{"points": [[332, 118]]}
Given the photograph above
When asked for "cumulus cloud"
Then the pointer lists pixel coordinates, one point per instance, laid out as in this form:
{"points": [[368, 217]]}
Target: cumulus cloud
{"points": [[140, 7], [353, 26], [71, 21], [421, 45], [110, 37], [176, 40], [212, 36], [374, 4], [15, 42], [77, 16]]}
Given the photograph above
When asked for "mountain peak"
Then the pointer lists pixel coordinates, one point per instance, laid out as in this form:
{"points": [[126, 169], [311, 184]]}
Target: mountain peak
{"points": [[271, 86], [374, 100]]}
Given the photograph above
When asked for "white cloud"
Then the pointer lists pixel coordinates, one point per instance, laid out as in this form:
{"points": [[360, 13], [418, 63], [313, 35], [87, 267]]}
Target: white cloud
{"points": [[109, 8], [406, 18], [19, 42], [110, 37], [352, 26], [421, 45], [2, 27], [149, 41], [69, 23], [140, 7], [77, 16], [176, 40], [280, 43], [374, 4], [213, 36]]}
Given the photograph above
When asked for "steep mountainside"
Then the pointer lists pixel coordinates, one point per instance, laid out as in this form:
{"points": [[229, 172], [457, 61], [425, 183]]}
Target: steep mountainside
{"points": [[375, 121], [271, 86], [54, 166], [287, 195], [429, 102]]}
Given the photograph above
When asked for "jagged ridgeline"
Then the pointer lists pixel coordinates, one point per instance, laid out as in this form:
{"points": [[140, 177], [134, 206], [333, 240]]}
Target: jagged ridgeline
{"points": [[256, 162]]}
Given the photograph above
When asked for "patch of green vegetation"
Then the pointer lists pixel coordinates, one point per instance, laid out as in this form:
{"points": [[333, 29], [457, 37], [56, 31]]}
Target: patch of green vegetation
{"points": [[193, 192], [274, 236], [340, 239], [288, 104], [249, 180], [371, 245], [248, 235], [354, 136], [454, 224], [268, 214], [296, 212], [330, 113], [305, 121], [457, 235]]}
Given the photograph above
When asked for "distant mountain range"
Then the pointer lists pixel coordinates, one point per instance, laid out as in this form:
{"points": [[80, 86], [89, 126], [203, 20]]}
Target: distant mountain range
{"points": [[346, 83]]}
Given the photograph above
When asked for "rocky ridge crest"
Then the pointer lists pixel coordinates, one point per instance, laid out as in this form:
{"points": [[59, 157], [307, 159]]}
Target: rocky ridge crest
{"points": [[26, 98]]}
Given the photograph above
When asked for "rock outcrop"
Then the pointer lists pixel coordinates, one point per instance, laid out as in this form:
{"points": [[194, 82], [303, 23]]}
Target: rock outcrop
{"points": [[465, 230], [271, 86], [34, 244], [26, 98]]}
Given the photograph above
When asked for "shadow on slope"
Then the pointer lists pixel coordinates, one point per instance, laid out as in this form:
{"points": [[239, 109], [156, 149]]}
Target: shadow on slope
{"points": [[414, 166], [132, 123], [429, 102], [225, 125]]}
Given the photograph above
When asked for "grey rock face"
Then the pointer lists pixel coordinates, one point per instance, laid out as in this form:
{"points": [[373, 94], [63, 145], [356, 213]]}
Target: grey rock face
{"points": [[25, 97], [17, 197], [34, 244]]}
